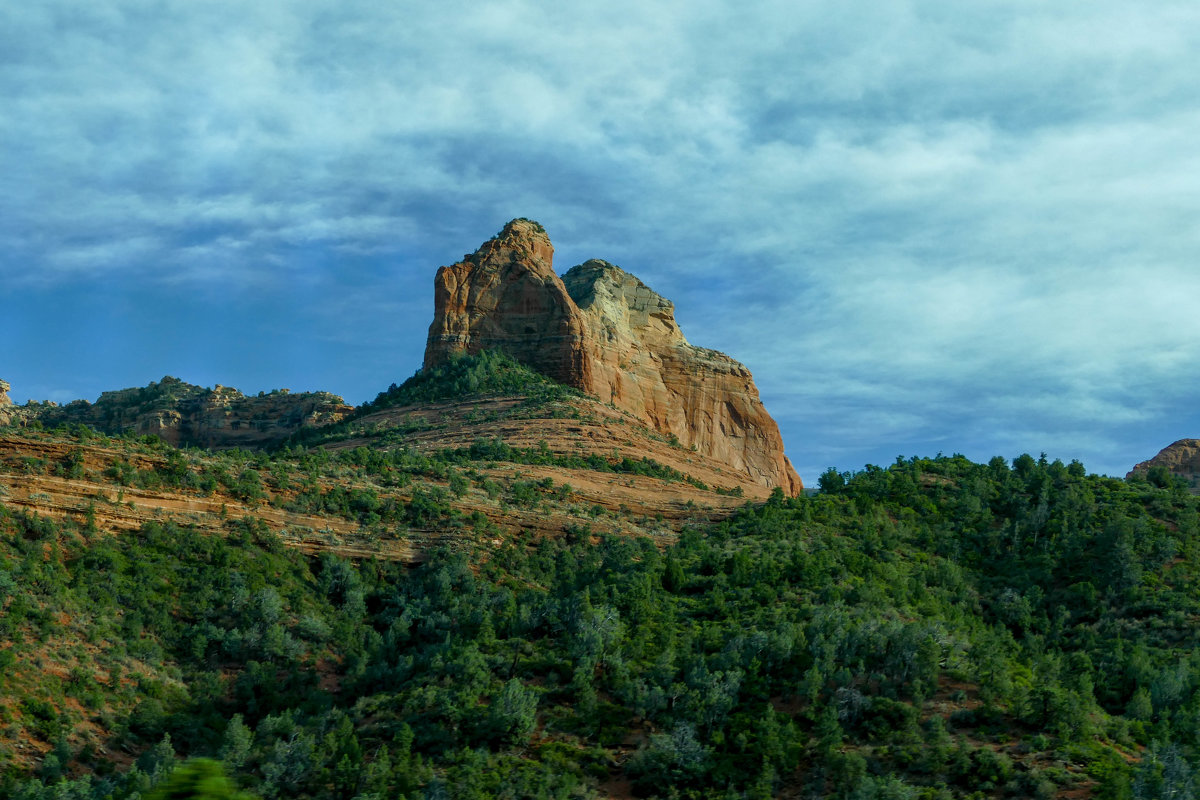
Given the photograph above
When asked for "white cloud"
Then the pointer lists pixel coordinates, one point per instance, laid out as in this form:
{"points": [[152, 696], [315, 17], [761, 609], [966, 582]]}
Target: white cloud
{"points": [[899, 210]]}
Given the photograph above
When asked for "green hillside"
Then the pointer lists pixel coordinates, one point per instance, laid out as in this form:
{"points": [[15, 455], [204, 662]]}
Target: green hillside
{"points": [[469, 377], [935, 629]]}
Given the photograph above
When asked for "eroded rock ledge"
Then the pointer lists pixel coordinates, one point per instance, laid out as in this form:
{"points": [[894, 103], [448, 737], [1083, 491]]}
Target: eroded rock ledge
{"points": [[603, 331]]}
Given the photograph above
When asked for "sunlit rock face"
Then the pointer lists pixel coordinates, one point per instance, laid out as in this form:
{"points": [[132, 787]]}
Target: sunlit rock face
{"points": [[505, 296], [603, 331]]}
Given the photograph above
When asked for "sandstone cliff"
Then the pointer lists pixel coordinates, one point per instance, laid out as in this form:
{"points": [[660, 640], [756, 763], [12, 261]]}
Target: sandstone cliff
{"points": [[603, 331], [1181, 458], [187, 415], [6, 405]]}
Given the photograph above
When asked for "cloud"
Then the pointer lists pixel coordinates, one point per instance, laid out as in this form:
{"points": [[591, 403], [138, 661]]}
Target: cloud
{"points": [[916, 221]]}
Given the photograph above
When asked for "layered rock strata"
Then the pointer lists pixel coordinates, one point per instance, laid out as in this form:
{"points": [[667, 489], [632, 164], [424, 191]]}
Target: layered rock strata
{"points": [[603, 331]]}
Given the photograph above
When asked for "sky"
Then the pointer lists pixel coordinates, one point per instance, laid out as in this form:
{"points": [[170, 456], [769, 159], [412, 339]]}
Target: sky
{"points": [[924, 226]]}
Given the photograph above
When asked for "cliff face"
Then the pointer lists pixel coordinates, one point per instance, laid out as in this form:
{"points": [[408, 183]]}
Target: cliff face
{"points": [[187, 415], [603, 331]]}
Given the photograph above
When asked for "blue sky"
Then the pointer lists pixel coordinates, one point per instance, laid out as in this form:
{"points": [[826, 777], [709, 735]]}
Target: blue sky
{"points": [[924, 226]]}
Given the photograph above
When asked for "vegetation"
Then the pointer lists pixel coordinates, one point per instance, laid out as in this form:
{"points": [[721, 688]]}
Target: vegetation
{"points": [[537, 226], [125, 410], [114, 411], [934, 629], [490, 372], [497, 450]]}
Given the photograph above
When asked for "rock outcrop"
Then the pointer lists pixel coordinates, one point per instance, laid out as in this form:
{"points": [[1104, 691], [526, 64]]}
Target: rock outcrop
{"points": [[1182, 458], [6, 405], [603, 331], [187, 415]]}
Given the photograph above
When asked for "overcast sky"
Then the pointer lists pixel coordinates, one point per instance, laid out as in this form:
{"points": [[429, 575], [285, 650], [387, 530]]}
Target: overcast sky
{"points": [[924, 226]]}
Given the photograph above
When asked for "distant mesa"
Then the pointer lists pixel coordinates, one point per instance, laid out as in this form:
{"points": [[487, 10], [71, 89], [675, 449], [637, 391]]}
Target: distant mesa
{"points": [[601, 330], [186, 415], [1181, 458]]}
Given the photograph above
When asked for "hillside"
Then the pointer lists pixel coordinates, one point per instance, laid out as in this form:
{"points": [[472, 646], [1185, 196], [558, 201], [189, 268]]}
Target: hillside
{"points": [[934, 629], [512, 455]]}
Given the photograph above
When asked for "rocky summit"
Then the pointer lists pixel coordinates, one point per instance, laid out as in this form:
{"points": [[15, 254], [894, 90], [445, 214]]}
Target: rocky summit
{"points": [[601, 330], [1181, 458]]}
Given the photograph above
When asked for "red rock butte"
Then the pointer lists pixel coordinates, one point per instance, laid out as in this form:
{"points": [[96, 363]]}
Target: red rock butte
{"points": [[604, 332]]}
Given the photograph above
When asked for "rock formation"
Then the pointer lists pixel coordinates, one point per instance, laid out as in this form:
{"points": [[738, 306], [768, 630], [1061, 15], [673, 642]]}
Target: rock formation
{"points": [[6, 405], [1181, 458], [187, 415], [506, 297], [603, 331]]}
